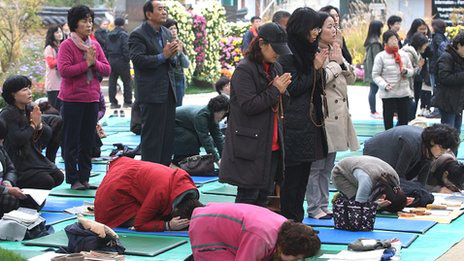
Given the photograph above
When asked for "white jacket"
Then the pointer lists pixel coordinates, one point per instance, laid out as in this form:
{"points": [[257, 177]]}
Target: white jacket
{"points": [[387, 71]]}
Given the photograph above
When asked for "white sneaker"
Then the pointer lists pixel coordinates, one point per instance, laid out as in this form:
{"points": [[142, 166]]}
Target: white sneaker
{"points": [[421, 112], [427, 112], [376, 116]]}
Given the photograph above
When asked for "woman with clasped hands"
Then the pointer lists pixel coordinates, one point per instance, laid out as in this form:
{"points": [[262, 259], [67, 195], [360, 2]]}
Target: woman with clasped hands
{"points": [[252, 155], [80, 61]]}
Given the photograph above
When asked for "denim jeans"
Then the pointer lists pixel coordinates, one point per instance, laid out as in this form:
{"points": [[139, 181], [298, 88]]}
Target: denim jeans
{"points": [[451, 119], [372, 92]]}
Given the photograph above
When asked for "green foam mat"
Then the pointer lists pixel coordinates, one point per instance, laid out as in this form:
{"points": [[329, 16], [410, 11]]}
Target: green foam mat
{"points": [[226, 190], [67, 192], [205, 198], [135, 244]]}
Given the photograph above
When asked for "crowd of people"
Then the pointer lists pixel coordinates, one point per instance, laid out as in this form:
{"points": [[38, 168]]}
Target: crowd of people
{"points": [[273, 130]]}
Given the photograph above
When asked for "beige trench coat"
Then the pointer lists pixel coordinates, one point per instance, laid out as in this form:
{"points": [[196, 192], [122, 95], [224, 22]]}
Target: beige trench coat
{"points": [[341, 135]]}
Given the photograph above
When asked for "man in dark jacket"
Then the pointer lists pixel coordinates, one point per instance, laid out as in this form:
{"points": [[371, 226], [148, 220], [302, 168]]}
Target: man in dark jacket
{"points": [[9, 194], [117, 48], [101, 35], [449, 95], [409, 149], [152, 51], [252, 33]]}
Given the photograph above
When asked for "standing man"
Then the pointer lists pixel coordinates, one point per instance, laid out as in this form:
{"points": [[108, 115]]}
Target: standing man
{"points": [[101, 35], [152, 52], [252, 33], [118, 56], [281, 18]]}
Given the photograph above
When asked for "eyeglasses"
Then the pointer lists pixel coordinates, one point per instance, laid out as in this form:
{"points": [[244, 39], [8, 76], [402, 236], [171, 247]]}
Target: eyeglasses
{"points": [[316, 30]]}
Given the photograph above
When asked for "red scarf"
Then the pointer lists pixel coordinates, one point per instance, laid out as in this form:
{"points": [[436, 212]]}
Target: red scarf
{"points": [[254, 31], [396, 55]]}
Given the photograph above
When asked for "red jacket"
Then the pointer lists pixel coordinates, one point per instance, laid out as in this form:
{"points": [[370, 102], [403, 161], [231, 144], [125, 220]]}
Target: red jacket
{"points": [[140, 189]]}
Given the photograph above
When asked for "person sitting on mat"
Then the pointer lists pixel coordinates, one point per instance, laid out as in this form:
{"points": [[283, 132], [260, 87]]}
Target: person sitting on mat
{"points": [[145, 195], [9, 193], [366, 178], [409, 150], [446, 175], [27, 134], [227, 231], [198, 126]]}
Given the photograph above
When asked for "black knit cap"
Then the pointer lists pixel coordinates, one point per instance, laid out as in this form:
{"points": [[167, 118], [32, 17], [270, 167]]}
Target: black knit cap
{"points": [[276, 36]]}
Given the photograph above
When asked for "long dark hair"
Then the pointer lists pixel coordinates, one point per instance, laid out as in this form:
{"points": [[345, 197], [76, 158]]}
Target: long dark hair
{"points": [[374, 32], [300, 24], [253, 53], [413, 29], [50, 38]]}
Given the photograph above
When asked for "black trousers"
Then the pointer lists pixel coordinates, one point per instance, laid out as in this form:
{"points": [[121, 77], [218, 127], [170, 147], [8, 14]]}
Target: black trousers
{"points": [[42, 179], [401, 106], [121, 69], [79, 121], [293, 190], [52, 97], [257, 196], [157, 136], [56, 123], [8, 203]]}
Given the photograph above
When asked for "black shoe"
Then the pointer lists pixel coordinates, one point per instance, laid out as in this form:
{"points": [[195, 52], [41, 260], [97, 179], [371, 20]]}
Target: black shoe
{"points": [[127, 105], [115, 106], [434, 115], [121, 113]]}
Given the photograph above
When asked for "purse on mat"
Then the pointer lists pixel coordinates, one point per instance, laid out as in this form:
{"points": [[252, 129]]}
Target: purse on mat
{"points": [[198, 165], [353, 215]]}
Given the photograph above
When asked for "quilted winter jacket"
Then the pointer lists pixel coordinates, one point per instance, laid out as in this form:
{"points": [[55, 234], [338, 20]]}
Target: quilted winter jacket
{"points": [[387, 71]]}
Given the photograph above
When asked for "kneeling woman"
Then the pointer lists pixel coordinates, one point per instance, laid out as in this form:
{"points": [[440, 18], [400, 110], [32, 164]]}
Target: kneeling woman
{"points": [[27, 133], [148, 196], [198, 126], [366, 178], [226, 231]]}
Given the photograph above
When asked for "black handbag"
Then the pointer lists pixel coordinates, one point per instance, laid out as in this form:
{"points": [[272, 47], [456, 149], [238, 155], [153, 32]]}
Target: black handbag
{"points": [[352, 215], [198, 165]]}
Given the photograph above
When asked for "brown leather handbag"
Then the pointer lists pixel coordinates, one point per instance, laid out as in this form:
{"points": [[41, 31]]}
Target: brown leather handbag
{"points": [[198, 165]]}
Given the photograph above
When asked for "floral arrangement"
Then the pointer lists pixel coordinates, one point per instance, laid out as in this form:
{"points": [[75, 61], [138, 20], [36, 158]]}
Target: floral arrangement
{"points": [[237, 29], [32, 61], [184, 20], [215, 15], [230, 52], [200, 43], [452, 31]]}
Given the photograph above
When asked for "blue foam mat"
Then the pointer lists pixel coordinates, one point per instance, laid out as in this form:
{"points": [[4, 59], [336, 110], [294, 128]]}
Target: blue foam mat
{"points": [[60, 204], [55, 218], [344, 237], [203, 179], [125, 138], [381, 223], [166, 233]]}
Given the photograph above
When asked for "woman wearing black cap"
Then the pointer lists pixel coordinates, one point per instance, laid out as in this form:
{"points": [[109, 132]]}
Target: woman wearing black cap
{"points": [[26, 133], [253, 151], [305, 139]]}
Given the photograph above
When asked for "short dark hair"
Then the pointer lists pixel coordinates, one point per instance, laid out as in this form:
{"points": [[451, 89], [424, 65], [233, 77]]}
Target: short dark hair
{"points": [[119, 21], [77, 13], [279, 15], [13, 84], [297, 239], [439, 26], [148, 7], [458, 39], [329, 8], [252, 20], [218, 103], [219, 85], [185, 208], [442, 134], [3, 129], [455, 171], [418, 40], [386, 184], [170, 22], [393, 19], [389, 34]]}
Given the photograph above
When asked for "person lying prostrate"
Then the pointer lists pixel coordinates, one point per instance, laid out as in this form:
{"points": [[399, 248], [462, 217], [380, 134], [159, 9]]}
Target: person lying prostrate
{"points": [[366, 178], [27, 134], [227, 231], [145, 195], [446, 174], [409, 150]]}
